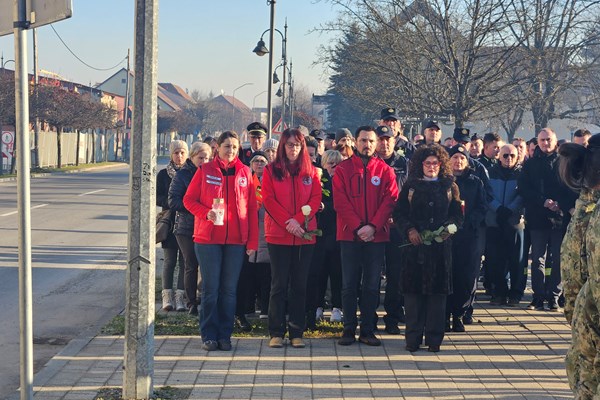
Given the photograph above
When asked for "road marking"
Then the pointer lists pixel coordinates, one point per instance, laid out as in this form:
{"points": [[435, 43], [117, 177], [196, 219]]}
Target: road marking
{"points": [[92, 192], [14, 212]]}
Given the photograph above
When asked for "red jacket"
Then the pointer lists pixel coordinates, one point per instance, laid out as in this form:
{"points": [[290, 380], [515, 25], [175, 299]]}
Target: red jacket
{"points": [[283, 200], [236, 186], [364, 195]]}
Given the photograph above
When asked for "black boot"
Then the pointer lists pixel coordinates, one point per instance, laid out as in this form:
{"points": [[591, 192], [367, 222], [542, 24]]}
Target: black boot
{"points": [[457, 325]]}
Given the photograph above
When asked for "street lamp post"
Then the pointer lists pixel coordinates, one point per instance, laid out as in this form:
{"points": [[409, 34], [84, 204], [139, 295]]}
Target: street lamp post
{"points": [[254, 102], [261, 50], [3, 63], [233, 105]]}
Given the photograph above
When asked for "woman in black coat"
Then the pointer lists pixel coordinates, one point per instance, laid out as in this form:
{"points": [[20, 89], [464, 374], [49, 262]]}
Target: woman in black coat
{"points": [[178, 150], [429, 201], [184, 220]]}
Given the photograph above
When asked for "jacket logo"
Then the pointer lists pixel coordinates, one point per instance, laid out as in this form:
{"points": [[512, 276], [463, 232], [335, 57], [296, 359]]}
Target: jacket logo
{"points": [[376, 180], [307, 180], [242, 181]]}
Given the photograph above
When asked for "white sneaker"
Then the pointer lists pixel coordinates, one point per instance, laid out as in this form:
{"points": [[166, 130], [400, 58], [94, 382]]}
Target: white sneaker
{"points": [[180, 300], [319, 314], [336, 315], [263, 316], [167, 299]]}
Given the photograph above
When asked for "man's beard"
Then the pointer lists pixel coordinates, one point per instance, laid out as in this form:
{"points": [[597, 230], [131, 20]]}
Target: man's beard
{"points": [[365, 157]]}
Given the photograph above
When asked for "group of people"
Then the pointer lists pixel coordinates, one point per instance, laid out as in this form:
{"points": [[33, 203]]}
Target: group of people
{"points": [[319, 210]]}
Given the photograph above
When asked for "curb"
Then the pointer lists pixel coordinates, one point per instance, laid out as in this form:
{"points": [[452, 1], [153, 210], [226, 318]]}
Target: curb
{"points": [[73, 171]]}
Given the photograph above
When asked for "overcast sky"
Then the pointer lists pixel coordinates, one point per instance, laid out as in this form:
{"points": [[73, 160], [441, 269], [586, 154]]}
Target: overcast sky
{"points": [[204, 45]]}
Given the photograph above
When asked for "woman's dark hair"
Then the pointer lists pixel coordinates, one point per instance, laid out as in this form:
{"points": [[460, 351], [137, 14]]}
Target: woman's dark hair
{"points": [[580, 166], [435, 150], [281, 167], [227, 135], [208, 139], [345, 149]]}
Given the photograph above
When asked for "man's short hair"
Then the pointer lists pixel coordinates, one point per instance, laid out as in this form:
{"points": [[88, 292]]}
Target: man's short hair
{"points": [[367, 128], [582, 133], [491, 137], [312, 142], [532, 140], [518, 140]]}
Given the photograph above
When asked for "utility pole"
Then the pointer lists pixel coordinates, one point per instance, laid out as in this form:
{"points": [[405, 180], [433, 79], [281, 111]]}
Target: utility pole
{"points": [[23, 199], [36, 81], [139, 310]]}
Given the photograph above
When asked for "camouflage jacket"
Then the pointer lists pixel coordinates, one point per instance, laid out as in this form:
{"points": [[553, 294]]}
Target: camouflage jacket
{"points": [[573, 262]]}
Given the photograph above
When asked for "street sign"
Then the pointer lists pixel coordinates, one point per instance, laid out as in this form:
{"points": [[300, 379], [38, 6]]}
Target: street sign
{"points": [[40, 12]]}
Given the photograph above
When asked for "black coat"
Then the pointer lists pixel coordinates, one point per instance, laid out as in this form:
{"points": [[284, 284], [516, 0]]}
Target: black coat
{"points": [[184, 220], [427, 205], [163, 181], [473, 194], [539, 181]]}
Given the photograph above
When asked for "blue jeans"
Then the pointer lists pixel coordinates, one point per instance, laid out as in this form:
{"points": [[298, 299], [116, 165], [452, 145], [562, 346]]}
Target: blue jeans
{"points": [[361, 260], [220, 266]]}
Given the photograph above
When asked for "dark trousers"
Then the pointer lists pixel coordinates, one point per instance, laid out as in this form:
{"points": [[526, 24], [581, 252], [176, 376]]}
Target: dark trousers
{"points": [[425, 314], [465, 270], [525, 261], [190, 276], [313, 283], [263, 285], [506, 258], [545, 263], [332, 272], [361, 260], [289, 274], [246, 291], [393, 301], [173, 258]]}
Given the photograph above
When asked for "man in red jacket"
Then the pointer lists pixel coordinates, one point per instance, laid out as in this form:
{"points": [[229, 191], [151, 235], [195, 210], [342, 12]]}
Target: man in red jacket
{"points": [[364, 195]]}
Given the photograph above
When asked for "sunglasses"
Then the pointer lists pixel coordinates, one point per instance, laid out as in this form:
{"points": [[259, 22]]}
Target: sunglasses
{"points": [[505, 156]]}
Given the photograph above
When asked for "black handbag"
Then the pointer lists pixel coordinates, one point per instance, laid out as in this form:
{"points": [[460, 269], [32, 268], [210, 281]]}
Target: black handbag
{"points": [[164, 225]]}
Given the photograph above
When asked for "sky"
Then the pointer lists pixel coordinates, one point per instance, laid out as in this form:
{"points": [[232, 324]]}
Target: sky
{"points": [[203, 45]]}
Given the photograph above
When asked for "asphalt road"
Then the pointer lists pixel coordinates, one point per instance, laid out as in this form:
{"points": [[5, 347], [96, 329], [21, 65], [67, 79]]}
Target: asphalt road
{"points": [[79, 248]]}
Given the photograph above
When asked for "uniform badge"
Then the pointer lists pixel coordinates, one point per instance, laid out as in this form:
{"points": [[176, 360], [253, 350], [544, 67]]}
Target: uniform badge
{"points": [[376, 180], [390, 110], [307, 180], [465, 132], [243, 181]]}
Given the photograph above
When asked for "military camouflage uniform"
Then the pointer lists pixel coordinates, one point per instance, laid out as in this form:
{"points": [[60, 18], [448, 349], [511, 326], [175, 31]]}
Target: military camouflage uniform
{"points": [[573, 263], [583, 357]]}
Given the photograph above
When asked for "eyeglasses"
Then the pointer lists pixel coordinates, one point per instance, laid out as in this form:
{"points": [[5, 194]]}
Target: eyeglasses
{"points": [[505, 156], [431, 164], [292, 145]]}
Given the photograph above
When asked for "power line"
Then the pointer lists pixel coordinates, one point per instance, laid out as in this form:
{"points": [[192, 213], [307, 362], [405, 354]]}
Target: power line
{"points": [[83, 62]]}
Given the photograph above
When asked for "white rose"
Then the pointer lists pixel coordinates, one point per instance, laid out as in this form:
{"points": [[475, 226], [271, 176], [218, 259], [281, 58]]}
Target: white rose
{"points": [[306, 210], [452, 229]]}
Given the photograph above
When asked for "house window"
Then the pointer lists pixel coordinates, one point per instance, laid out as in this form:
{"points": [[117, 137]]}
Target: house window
{"points": [[123, 80]]}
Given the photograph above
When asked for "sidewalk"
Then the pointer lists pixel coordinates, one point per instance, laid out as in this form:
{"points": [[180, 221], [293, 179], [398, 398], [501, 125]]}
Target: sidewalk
{"points": [[35, 175], [505, 354]]}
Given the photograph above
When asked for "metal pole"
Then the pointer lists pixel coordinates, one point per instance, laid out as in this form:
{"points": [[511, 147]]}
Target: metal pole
{"points": [[270, 77], [36, 81], [233, 105], [23, 199], [139, 310], [284, 58]]}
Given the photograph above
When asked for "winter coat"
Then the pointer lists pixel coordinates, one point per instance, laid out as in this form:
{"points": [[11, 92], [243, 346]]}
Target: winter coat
{"points": [[539, 181], [582, 365], [473, 194], [488, 163], [505, 194], [399, 164], [234, 184], [184, 220], [283, 200], [364, 195], [427, 205], [573, 261], [163, 182]]}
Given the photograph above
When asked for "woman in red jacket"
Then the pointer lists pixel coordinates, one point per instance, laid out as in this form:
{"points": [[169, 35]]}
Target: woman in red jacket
{"points": [[220, 240], [290, 187]]}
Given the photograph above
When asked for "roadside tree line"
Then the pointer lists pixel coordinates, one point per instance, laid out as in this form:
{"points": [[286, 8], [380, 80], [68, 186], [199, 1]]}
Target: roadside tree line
{"points": [[489, 60]]}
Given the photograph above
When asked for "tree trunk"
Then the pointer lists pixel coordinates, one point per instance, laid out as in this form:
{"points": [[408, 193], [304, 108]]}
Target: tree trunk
{"points": [[77, 143], [93, 146], [59, 146]]}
